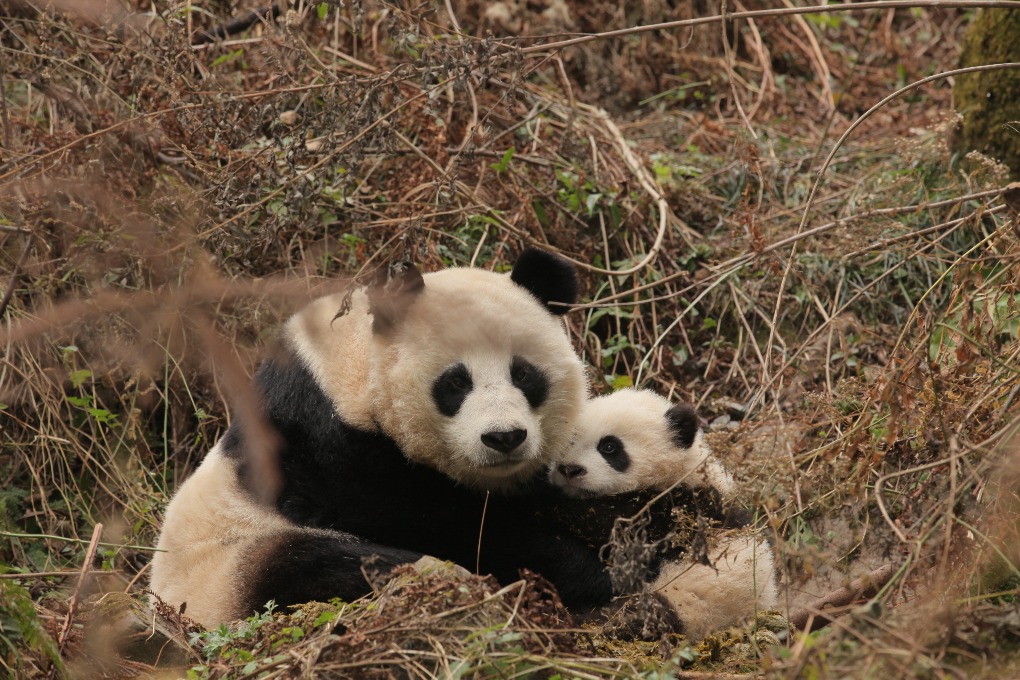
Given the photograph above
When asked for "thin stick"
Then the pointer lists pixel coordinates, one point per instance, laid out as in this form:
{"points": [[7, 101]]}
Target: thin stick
{"points": [[86, 567], [3, 105], [781, 11], [734, 263], [14, 534], [814, 616], [48, 574], [727, 60], [481, 528], [15, 275], [133, 581], [759, 396], [237, 24]]}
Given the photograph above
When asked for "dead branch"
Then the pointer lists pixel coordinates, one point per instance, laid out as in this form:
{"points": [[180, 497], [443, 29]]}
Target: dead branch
{"points": [[814, 617], [86, 567], [237, 24]]}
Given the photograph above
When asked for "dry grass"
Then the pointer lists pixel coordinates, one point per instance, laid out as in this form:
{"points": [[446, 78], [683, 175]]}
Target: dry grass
{"points": [[165, 202]]}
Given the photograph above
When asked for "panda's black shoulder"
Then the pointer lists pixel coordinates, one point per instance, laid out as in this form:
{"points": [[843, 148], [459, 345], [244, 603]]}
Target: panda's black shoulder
{"points": [[288, 399]]}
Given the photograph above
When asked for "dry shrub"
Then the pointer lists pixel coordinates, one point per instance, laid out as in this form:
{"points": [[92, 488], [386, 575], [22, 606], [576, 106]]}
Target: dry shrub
{"points": [[165, 202]]}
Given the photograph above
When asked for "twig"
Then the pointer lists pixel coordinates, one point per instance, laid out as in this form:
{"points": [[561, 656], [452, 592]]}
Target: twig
{"points": [[481, 528], [728, 61], [86, 567], [757, 398], [48, 574], [236, 25], [818, 63], [647, 183], [177, 109], [781, 11], [15, 275], [814, 616], [3, 103], [734, 263], [14, 534], [885, 100]]}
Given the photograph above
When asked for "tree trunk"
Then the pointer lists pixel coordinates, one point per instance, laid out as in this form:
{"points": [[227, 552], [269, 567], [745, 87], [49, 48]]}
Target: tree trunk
{"points": [[990, 100]]}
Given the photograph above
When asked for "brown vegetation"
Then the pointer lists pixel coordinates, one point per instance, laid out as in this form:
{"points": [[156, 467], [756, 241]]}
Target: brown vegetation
{"points": [[166, 199]]}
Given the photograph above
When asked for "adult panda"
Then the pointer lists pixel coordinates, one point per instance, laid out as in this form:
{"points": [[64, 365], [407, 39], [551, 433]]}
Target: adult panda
{"points": [[397, 411], [633, 449]]}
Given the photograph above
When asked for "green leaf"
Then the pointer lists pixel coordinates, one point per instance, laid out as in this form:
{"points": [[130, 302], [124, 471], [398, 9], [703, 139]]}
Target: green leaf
{"points": [[20, 627], [324, 618], [226, 58], [79, 377], [505, 161], [622, 381], [322, 10]]}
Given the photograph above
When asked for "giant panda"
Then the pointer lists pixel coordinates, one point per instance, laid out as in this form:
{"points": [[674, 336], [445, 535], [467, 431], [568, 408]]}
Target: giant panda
{"points": [[637, 441], [395, 412]]}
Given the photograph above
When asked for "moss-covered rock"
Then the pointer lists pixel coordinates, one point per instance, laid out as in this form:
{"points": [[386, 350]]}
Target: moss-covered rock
{"points": [[990, 100]]}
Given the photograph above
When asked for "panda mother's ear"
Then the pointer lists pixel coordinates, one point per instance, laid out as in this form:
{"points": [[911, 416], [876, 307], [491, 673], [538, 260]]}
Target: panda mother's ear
{"points": [[392, 291], [683, 424], [550, 278]]}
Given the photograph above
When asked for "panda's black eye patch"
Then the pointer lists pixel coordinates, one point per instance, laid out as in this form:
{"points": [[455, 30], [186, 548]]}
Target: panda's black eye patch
{"points": [[530, 380], [611, 448], [451, 389]]}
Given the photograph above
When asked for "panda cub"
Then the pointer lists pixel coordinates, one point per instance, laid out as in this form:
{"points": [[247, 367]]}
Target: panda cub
{"points": [[390, 414], [635, 440]]}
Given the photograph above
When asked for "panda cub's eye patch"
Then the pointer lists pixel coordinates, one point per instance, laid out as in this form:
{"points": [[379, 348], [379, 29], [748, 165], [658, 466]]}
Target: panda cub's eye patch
{"points": [[451, 389], [611, 449], [530, 380]]}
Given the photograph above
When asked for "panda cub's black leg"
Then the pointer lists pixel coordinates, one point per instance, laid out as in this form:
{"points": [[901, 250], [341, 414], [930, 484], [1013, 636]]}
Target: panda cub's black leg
{"points": [[299, 566]]}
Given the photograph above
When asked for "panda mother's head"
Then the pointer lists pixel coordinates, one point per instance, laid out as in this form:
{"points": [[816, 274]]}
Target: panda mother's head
{"points": [[471, 372]]}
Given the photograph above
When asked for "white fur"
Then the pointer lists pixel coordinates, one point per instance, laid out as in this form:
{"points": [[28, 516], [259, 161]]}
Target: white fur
{"points": [[470, 316], [383, 382], [638, 419], [740, 581], [742, 577]]}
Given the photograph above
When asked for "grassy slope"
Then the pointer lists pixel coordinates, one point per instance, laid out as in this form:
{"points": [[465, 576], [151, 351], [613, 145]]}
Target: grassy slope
{"points": [[164, 206]]}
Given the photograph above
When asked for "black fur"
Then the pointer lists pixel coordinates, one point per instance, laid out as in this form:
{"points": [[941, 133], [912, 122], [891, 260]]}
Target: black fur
{"points": [[451, 389], [683, 424], [614, 453], [343, 479], [530, 380], [550, 278], [300, 566], [672, 517]]}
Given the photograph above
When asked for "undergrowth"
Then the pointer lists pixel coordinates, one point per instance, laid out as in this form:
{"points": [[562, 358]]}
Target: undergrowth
{"points": [[167, 201]]}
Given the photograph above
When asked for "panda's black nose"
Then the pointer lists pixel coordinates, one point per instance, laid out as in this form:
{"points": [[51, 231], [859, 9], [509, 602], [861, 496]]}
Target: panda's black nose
{"points": [[572, 471], [504, 442]]}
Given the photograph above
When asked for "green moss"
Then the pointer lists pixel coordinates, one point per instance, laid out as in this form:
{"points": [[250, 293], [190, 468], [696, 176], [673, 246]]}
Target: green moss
{"points": [[990, 100]]}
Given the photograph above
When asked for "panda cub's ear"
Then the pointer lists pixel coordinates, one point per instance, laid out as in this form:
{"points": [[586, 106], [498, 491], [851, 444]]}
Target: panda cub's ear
{"points": [[683, 424], [550, 278], [393, 290]]}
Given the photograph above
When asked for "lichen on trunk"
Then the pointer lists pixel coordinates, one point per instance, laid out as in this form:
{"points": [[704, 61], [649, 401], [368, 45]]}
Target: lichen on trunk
{"points": [[990, 100]]}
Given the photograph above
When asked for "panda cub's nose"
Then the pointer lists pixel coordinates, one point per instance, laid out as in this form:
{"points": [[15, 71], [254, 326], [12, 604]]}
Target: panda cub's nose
{"points": [[504, 441], [572, 471]]}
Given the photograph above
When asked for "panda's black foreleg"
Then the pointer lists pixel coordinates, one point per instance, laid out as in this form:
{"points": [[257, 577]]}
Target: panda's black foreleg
{"points": [[299, 566], [515, 540]]}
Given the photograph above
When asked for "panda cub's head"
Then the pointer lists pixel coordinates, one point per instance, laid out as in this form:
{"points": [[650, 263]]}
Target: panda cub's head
{"points": [[632, 440], [469, 371]]}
